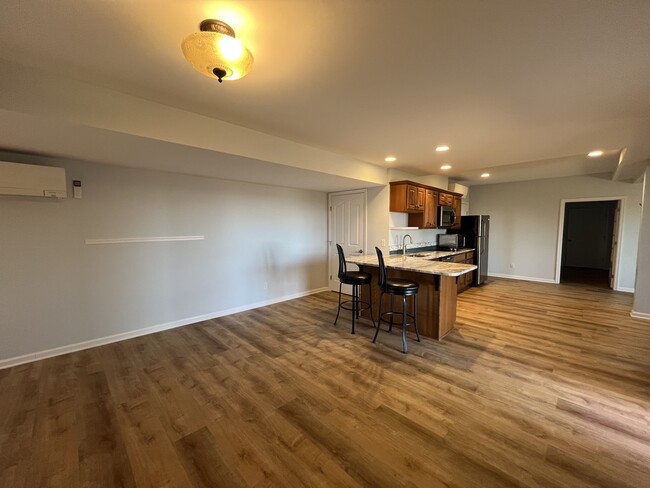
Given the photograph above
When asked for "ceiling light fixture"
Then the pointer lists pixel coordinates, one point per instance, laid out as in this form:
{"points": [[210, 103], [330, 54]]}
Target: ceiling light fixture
{"points": [[595, 154], [485, 175], [390, 159], [215, 53], [445, 166], [442, 148]]}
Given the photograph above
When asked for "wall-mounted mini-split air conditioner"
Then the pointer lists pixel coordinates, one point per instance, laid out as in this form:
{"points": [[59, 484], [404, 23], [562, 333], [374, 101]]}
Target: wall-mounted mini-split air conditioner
{"points": [[32, 180]]}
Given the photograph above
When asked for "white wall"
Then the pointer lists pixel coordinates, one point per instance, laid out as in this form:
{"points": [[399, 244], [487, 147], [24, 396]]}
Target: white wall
{"points": [[437, 181], [642, 293], [524, 219], [261, 244], [420, 237], [378, 221]]}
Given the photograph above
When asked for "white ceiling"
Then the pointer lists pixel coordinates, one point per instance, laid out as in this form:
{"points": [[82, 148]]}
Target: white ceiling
{"points": [[522, 88]]}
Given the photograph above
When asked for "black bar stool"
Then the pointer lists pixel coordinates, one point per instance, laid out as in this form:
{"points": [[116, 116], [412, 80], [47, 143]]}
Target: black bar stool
{"points": [[403, 288], [356, 279]]}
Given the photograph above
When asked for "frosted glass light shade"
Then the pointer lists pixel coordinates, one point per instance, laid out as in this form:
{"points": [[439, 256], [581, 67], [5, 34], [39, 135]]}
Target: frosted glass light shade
{"points": [[209, 50]]}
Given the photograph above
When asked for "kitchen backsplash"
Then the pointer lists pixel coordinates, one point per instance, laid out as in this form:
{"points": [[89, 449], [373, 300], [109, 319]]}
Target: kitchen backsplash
{"points": [[421, 237], [415, 245]]}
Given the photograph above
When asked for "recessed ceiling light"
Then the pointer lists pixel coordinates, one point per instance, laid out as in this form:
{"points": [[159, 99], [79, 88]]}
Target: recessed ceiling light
{"points": [[595, 154], [485, 175], [390, 159], [445, 166], [442, 148]]}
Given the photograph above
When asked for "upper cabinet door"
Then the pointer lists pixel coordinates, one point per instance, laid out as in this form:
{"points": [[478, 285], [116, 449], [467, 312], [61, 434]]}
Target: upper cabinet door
{"points": [[406, 197], [414, 197], [457, 208], [446, 199], [411, 197], [430, 206]]}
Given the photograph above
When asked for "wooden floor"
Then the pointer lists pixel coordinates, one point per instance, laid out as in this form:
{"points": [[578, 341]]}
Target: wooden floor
{"points": [[598, 278], [541, 385]]}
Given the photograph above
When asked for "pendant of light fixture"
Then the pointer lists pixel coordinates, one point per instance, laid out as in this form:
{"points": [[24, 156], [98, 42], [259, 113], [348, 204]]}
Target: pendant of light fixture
{"points": [[216, 53]]}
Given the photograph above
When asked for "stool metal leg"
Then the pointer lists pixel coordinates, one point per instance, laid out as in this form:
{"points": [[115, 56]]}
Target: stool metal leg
{"points": [[370, 302], [358, 295], [381, 299], [339, 310], [355, 304], [404, 316], [392, 309], [415, 319]]}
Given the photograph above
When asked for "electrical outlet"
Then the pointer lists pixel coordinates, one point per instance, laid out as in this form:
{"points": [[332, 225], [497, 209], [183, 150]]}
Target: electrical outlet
{"points": [[383, 242], [266, 285], [512, 265]]}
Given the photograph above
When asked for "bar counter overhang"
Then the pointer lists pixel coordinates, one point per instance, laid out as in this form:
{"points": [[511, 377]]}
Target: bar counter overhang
{"points": [[436, 313]]}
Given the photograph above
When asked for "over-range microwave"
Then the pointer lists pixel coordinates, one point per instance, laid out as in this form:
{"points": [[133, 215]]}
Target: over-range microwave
{"points": [[446, 216]]}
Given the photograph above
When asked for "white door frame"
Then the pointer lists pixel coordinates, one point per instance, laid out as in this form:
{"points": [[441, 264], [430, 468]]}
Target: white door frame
{"points": [[560, 233], [330, 247]]}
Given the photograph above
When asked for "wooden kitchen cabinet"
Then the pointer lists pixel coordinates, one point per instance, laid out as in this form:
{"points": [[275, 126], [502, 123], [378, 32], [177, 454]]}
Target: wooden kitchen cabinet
{"points": [[430, 207], [421, 202], [461, 281], [451, 200], [415, 198], [428, 218], [446, 199], [406, 197], [464, 281], [468, 278], [457, 208]]}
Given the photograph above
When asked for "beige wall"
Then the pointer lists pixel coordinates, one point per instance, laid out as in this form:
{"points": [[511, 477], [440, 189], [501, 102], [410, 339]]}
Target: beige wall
{"points": [[524, 220], [262, 244], [378, 203], [642, 292]]}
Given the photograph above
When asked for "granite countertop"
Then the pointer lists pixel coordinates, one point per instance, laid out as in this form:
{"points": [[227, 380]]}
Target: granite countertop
{"points": [[435, 254], [418, 263]]}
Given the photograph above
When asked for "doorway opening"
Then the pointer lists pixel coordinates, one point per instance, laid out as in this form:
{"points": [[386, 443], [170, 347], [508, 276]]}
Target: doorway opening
{"points": [[589, 242]]}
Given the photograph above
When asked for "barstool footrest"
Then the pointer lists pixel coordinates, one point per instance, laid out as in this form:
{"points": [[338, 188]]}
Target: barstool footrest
{"points": [[400, 323], [349, 303]]}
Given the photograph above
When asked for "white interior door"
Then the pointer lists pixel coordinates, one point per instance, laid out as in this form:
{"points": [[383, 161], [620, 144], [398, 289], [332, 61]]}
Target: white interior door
{"points": [[347, 228]]}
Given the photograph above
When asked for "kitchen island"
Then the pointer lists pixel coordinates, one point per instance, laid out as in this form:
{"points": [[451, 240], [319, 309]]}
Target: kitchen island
{"points": [[436, 313]]}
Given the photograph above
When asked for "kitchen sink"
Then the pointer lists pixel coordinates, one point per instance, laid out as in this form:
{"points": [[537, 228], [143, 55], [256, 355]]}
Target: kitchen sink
{"points": [[419, 254]]}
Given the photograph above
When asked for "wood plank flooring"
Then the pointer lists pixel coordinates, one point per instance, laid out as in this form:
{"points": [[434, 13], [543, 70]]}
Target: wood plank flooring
{"points": [[540, 386]]}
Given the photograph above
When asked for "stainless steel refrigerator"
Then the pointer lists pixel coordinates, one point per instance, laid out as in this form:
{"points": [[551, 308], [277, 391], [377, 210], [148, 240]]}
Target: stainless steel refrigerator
{"points": [[476, 229]]}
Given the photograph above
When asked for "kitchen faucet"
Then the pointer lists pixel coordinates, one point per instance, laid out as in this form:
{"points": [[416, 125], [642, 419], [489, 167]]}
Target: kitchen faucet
{"points": [[404, 243]]}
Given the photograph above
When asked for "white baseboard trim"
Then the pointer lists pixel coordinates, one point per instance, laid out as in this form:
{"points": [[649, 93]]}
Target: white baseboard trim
{"points": [[640, 315], [79, 346], [523, 278], [624, 289], [545, 280]]}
